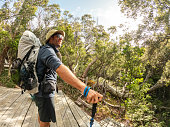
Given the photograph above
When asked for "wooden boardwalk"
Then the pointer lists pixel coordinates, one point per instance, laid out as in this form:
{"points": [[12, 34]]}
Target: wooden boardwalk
{"points": [[18, 110]]}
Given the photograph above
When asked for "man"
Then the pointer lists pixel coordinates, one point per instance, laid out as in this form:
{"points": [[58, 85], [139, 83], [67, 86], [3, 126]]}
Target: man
{"points": [[48, 66]]}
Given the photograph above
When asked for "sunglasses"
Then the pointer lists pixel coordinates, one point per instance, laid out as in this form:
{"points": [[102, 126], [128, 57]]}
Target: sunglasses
{"points": [[60, 36]]}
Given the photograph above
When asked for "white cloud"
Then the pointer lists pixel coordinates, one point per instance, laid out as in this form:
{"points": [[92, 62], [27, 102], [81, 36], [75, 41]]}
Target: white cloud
{"points": [[107, 17], [113, 17]]}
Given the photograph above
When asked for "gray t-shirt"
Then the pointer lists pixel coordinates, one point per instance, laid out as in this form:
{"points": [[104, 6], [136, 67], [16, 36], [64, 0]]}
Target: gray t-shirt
{"points": [[47, 63]]}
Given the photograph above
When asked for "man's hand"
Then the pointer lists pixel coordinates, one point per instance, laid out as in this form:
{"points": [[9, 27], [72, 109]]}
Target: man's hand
{"points": [[94, 97]]}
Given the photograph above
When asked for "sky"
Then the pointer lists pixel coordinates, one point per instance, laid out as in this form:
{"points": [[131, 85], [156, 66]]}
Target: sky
{"points": [[106, 11]]}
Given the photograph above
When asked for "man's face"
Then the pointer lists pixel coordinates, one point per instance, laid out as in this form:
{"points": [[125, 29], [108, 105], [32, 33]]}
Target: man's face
{"points": [[57, 40]]}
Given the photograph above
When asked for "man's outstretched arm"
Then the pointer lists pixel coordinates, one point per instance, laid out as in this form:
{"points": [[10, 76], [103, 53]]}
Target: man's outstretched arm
{"points": [[66, 74]]}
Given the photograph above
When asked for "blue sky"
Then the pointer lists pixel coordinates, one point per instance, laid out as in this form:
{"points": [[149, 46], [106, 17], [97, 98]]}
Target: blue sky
{"points": [[107, 11], [84, 4]]}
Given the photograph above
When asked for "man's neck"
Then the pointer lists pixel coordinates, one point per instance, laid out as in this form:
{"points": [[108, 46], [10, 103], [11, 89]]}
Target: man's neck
{"points": [[53, 46]]}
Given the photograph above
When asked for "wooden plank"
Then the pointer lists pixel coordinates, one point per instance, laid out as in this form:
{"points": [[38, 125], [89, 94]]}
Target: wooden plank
{"points": [[36, 121], [70, 114], [53, 124], [23, 110], [19, 110], [34, 117], [59, 120], [84, 116], [63, 110], [33, 114], [81, 123], [8, 118], [95, 124], [3, 90], [17, 113], [5, 95], [27, 119], [4, 99], [6, 104], [79, 111]]}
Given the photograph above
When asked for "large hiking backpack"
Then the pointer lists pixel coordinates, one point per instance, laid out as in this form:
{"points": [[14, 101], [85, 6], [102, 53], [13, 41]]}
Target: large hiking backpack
{"points": [[23, 71]]}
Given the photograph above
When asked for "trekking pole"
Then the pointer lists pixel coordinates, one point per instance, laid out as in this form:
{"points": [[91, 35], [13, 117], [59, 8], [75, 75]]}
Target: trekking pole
{"points": [[86, 90], [93, 114]]}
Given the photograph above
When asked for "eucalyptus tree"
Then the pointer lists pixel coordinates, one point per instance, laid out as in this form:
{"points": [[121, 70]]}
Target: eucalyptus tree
{"points": [[15, 21], [47, 17], [154, 33], [4, 47], [87, 27], [112, 29], [52, 14]]}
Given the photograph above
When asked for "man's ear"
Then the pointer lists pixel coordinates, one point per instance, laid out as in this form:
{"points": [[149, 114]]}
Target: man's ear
{"points": [[51, 38]]}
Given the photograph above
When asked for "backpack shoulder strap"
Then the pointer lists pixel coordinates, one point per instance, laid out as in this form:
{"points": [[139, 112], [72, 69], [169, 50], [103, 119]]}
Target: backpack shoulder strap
{"points": [[27, 55]]}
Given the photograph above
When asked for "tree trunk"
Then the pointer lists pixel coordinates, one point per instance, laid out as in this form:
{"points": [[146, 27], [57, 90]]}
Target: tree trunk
{"points": [[156, 86], [115, 92], [3, 55], [88, 67], [84, 103], [163, 80], [114, 106], [10, 65]]}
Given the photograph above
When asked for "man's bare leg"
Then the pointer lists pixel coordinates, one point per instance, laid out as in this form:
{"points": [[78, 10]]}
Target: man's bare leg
{"points": [[43, 124]]}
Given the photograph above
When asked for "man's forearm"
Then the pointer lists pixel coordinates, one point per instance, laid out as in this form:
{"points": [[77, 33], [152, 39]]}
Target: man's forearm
{"points": [[65, 74]]}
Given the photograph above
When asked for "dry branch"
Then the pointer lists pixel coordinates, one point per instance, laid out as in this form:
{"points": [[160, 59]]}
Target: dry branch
{"points": [[84, 103], [115, 92], [88, 67], [114, 106]]}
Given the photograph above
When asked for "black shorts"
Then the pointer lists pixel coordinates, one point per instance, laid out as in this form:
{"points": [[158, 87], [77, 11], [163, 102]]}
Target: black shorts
{"points": [[46, 109]]}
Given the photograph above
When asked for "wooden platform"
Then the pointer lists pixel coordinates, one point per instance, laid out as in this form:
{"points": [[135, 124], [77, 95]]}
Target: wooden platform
{"points": [[18, 110]]}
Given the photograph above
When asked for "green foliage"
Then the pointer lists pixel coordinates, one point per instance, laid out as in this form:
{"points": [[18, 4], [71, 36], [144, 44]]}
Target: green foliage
{"points": [[123, 64], [154, 60], [138, 106], [5, 38], [6, 80]]}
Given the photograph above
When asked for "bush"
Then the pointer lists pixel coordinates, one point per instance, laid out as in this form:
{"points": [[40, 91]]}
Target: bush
{"points": [[5, 80]]}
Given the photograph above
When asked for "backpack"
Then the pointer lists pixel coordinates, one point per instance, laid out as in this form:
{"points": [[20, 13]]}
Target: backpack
{"points": [[23, 70]]}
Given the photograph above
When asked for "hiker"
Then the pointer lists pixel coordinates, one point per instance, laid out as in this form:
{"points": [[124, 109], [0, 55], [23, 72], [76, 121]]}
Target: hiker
{"points": [[48, 66]]}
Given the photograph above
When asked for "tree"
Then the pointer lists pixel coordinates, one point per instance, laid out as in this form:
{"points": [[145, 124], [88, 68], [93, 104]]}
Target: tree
{"points": [[4, 37], [87, 26], [15, 20], [153, 33]]}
